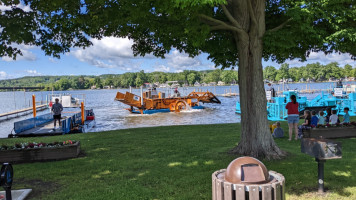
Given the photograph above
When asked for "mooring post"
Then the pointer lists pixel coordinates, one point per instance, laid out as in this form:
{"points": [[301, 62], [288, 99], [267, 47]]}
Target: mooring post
{"points": [[82, 109], [141, 96], [320, 175], [34, 105]]}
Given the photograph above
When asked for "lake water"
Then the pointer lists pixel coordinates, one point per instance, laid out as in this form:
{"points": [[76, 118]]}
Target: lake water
{"points": [[112, 115]]}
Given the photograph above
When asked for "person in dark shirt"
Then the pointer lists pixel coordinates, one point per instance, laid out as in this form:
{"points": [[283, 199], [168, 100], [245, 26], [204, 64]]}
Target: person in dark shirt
{"points": [[57, 109], [314, 119], [306, 124], [328, 114]]}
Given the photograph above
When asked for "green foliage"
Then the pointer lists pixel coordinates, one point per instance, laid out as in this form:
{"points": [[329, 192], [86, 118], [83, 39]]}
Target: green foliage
{"points": [[229, 76], [158, 163], [57, 26], [314, 71]]}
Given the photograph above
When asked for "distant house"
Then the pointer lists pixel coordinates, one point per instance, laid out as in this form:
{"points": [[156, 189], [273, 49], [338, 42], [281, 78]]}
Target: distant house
{"points": [[221, 83], [302, 80], [109, 87], [197, 84], [212, 83], [93, 87], [147, 85], [331, 79], [289, 80]]}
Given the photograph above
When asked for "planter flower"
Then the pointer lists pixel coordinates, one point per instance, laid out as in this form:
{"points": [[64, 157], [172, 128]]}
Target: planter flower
{"points": [[32, 151]]}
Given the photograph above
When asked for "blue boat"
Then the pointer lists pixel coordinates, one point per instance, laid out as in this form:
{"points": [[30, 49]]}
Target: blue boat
{"points": [[42, 125], [337, 100], [154, 111]]}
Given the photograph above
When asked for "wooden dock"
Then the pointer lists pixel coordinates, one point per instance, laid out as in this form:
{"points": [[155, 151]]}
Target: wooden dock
{"points": [[38, 108], [228, 95]]}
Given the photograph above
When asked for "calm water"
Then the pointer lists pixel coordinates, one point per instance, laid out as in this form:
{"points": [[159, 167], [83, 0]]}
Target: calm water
{"points": [[111, 115]]}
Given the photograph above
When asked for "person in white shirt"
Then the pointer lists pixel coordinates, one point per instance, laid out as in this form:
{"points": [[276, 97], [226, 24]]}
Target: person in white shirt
{"points": [[333, 118]]}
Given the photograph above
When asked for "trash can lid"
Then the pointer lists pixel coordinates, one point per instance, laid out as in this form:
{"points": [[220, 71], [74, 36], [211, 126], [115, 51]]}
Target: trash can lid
{"points": [[247, 170]]}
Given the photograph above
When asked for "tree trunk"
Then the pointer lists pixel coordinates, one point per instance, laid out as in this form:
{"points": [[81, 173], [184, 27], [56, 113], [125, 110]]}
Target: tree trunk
{"points": [[256, 139]]}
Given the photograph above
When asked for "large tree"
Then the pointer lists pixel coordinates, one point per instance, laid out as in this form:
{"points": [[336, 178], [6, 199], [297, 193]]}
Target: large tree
{"points": [[232, 32]]}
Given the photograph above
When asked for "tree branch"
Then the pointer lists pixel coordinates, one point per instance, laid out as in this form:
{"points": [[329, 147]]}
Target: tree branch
{"points": [[222, 25], [219, 27], [252, 14], [278, 27], [230, 17]]}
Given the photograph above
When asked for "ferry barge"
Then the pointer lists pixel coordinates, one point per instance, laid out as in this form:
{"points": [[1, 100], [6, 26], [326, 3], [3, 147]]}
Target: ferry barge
{"points": [[72, 121]]}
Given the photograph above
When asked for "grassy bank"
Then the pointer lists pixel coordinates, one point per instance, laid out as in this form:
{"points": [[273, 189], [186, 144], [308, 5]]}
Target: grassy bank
{"points": [[173, 162]]}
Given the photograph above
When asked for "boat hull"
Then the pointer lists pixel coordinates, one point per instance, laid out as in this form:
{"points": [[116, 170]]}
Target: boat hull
{"points": [[154, 111]]}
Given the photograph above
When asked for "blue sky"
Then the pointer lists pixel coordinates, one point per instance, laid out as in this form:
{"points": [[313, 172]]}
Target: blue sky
{"points": [[114, 56]]}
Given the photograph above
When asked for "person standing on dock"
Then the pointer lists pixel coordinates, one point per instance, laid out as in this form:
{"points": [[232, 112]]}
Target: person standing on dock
{"points": [[57, 109]]}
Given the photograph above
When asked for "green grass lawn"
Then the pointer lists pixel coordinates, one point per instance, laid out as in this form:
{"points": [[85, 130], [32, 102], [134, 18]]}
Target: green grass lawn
{"points": [[173, 162]]}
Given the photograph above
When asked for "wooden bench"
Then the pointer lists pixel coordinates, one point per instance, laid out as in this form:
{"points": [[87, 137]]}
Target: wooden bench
{"points": [[331, 132]]}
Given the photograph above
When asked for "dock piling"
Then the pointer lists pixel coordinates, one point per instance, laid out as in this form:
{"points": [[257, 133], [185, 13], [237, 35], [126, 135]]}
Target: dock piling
{"points": [[34, 105]]}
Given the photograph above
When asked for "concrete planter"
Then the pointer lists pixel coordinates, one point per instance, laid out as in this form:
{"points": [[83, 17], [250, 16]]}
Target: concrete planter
{"points": [[40, 154]]}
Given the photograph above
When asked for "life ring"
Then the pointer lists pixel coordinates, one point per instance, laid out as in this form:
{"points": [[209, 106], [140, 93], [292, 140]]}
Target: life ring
{"points": [[180, 105], [50, 104]]}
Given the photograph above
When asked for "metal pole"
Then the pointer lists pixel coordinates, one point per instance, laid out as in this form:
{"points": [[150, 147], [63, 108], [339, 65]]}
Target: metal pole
{"points": [[320, 175], [8, 193], [141, 96]]}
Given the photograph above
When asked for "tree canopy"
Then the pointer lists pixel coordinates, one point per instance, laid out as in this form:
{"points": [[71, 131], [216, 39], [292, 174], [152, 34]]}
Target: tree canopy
{"points": [[232, 32], [294, 28]]}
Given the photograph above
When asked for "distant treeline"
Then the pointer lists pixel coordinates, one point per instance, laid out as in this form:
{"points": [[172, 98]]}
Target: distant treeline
{"points": [[315, 71], [122, 80]]}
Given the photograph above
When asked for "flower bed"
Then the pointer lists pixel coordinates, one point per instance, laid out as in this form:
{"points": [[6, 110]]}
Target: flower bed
{"points": [[30, 152]]}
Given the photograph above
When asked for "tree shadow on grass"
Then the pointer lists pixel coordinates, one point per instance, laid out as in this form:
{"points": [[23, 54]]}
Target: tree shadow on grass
{"points": [[39, 187], [339, 174]]}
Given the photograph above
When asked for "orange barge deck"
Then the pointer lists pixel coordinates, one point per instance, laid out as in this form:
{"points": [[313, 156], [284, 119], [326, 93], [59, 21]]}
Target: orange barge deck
{"points": [[151, 102]]}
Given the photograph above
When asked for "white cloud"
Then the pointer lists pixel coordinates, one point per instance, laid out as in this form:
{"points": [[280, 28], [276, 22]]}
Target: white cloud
{"points": [[32, 72], [181, 61], [3, 75], [161, 68], [26, 53], [109, 52], [320, 57], [112, 52], [25, 8]]}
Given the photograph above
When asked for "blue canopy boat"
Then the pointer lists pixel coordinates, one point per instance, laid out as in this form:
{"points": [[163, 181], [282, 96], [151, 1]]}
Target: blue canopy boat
{"points": [[337, 100]]}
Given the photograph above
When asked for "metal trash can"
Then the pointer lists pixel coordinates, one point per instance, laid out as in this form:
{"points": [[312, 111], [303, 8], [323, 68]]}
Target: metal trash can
{"points": [[247, 178]]}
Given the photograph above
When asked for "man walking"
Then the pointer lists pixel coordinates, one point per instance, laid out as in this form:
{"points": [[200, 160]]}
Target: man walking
{"points": [[57, 109]]}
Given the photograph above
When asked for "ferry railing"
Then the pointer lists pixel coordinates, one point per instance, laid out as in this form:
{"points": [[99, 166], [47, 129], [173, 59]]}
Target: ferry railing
{"points": [[27, 124], [75, 100]]}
